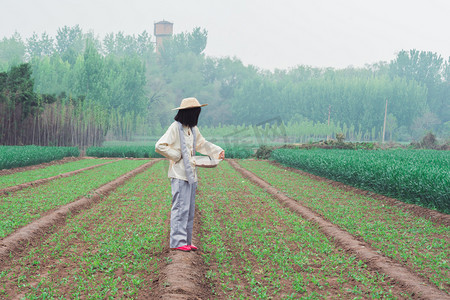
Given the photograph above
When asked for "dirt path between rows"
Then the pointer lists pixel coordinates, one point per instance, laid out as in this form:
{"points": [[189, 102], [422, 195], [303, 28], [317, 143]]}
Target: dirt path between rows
{"points": [[183, 276], [411, 282], [419, 211], [35, 183], [31, 234]]}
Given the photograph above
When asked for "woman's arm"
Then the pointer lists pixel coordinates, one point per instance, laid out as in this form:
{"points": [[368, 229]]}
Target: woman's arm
{"points": [[207, 148], [164, 144]]}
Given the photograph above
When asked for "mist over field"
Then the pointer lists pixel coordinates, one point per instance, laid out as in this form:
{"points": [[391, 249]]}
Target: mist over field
{"points": [[76, 86]]}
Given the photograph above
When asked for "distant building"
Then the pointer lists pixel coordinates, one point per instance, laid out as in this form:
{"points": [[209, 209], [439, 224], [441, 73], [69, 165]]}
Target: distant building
{"points": [[163, 30]]}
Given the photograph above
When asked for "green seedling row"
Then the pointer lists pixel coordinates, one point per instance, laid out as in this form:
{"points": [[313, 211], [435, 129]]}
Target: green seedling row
{"points": [[420, 244], [232, 151], [416, 176], [50, 171], [123, 151], [22, 207], [21, 156], [257, 249], [111, 251], [238, 151]]}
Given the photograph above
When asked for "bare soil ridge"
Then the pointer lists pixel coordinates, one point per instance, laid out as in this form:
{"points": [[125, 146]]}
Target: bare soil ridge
{"points": [[183, 274], [16, 242], [19, 187], [182, 277], [362, 250]]}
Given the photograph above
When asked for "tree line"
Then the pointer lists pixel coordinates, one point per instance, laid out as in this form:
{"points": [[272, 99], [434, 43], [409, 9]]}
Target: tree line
{"points": [[133, 88], [29, 118]]}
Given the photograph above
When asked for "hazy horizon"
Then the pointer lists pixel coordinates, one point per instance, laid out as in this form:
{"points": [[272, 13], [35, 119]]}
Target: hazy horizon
{"points": [[266, 34]]}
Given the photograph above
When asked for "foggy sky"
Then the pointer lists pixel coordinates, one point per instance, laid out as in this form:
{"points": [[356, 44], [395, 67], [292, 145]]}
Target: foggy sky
{"points": [[267, 34]]}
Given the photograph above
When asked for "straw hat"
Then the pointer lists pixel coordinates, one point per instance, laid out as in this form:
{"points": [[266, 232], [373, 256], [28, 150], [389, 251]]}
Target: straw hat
{"points": [[189, 103]]}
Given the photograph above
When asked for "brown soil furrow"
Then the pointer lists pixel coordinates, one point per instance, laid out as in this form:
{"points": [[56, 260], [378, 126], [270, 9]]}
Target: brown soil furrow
{"points": [[419, 211], [183, 276], [16, 242], [19, 187], [410, 281]]}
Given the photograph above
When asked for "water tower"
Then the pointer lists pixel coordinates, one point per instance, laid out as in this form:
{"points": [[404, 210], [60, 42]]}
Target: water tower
{"points": [[163, 30]]}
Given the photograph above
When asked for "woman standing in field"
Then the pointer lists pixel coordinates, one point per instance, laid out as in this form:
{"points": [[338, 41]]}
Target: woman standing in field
{"points": [[179, 144]]}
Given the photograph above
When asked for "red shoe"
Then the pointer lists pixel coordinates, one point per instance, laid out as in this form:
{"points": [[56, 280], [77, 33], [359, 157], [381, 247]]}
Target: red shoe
{"points": [[185, 248], [193, 248]]}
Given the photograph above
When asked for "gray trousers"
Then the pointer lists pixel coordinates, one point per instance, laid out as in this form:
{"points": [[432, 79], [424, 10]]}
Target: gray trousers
{"points": [[182, 213]]}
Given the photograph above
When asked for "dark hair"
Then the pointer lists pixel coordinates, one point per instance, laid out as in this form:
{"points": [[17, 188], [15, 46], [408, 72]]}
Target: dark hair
{"points": [[189, 116]]}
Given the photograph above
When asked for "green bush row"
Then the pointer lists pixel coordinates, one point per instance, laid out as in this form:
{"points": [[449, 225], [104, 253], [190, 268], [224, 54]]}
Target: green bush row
{"points": [[235, 151], [123, 151], [149, 151], [416, 176], [21, 156]]}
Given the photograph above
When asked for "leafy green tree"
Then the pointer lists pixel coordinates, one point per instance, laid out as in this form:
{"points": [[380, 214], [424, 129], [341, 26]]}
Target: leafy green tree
{"points": [[69, 43], [109, 44], [421, 66], [230, 73], [445, 94], [17, 85], [128, 45], [427, 68], [12, 51], [424, 123], [43, 46], [122, 76], [183, 43], [33, 46], [391, 125], [125, 83], [93, 71], [144, 44], [196, 41], [122, 44], [44, 75]]}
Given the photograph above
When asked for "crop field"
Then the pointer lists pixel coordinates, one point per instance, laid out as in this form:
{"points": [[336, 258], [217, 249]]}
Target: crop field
{"points": [[417, 176], [106, 251], [18, 209], [54, 170], [416, 242], [19, 156], [257, 248], [146, 149], [252, 245], [123, 151]]}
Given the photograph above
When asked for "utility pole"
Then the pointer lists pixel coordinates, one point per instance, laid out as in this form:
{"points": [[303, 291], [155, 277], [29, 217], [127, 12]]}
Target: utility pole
{"points": [[384, 125], [329, 113]]}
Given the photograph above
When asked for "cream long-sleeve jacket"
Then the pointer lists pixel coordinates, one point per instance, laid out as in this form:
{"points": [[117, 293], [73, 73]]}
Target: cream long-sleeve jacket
{"points": [[169, 146]]}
